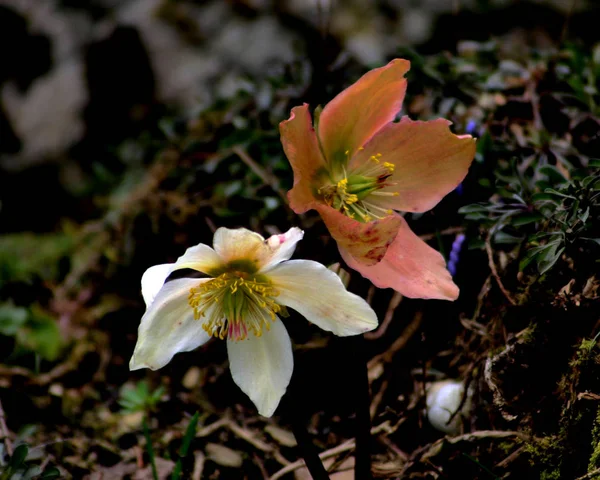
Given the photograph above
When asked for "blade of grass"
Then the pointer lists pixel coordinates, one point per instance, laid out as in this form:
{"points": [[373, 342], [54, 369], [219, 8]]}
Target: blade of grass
{"points": [[150, 449], [190, 433]]}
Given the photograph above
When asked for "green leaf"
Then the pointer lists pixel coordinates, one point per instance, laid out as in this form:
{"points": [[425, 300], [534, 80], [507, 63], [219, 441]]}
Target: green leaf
{"points": [[540, 197], [18, 457], [140, 398], [25, 255], [526, 218], [41, 335], [506, 238], [474, 207], [548, 258], [50, 473], [554, 174], [12, 318], [595, 240], [190, 433], [559, 194]]}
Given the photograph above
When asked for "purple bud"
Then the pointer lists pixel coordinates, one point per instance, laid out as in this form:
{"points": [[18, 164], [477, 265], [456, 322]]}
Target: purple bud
{"points": [[471, 126], [455, 253]]}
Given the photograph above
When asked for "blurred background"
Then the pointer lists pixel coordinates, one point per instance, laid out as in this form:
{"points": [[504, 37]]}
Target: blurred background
{"points": [[130, 129]]}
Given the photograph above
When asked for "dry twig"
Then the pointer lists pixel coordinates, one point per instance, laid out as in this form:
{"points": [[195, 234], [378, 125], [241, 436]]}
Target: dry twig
{"points": [[332, 452], [490, 254], [389, 314], [4, 431], [386, 357], [266, 177]]}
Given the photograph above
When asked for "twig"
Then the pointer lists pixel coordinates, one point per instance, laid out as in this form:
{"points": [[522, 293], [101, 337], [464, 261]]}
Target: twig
{"points": [[511, 458], [488, 377], [213, 427], [378, 398], [5, 432], [394, 448], [389, 314], [248, 437], [589, 475], [72, 363], [490, 254], [199, 459], [266, 177], [399, 343]]}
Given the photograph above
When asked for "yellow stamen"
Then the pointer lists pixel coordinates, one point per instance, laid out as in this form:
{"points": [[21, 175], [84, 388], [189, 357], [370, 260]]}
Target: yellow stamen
{"points": [[235, 304]]}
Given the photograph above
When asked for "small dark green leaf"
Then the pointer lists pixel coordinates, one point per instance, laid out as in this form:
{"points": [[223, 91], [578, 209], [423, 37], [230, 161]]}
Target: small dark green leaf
{"points": [[474, 207], [554, 174], [559, 194], [548, 258], [50, 473], [526, 218], [11, 318], [506, 238], [595, 240], [19, 456], [540, 197]]}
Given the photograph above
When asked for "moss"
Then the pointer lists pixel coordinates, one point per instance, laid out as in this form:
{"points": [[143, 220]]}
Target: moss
{"points": [[547, 452], [585, 350], [595, 456]]}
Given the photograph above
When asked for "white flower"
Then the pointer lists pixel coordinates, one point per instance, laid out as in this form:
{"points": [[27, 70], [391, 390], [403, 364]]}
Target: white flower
{"points": [[250, 282]]}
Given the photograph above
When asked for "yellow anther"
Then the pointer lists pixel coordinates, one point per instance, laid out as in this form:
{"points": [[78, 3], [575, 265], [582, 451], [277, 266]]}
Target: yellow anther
{"points": [[347, 152], [342, 183], [234, 303], [378, 155], [389, 212], [389, 166]]}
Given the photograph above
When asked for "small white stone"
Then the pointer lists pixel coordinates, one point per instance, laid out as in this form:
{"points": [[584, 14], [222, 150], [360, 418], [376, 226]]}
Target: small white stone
{"points": [[443, 399]]}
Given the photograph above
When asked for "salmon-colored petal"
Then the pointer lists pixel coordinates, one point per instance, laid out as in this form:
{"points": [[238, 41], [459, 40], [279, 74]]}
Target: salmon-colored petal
{"points": [[302, 150], [429, 162], [357, 113], [366, 242], [410, 267]]}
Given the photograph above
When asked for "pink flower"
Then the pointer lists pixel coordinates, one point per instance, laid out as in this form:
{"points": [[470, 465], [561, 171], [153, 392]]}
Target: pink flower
{"points": [[356, 168]]}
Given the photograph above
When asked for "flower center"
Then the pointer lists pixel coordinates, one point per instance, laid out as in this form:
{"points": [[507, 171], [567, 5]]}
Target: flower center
{"points": [[349, 194], [234, 304]]}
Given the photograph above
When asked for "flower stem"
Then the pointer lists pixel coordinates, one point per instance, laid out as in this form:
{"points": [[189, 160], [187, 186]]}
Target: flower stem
{"points": [[308, 450], [362, 469], [294, 411]]}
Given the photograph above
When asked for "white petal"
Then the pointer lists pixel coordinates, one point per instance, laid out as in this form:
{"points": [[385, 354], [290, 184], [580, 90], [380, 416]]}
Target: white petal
{"points": [[242, 244], [153, 279], [237, 244], [281, 247], [168, 327], [201, 258], [262, 366], [318, 294]]}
